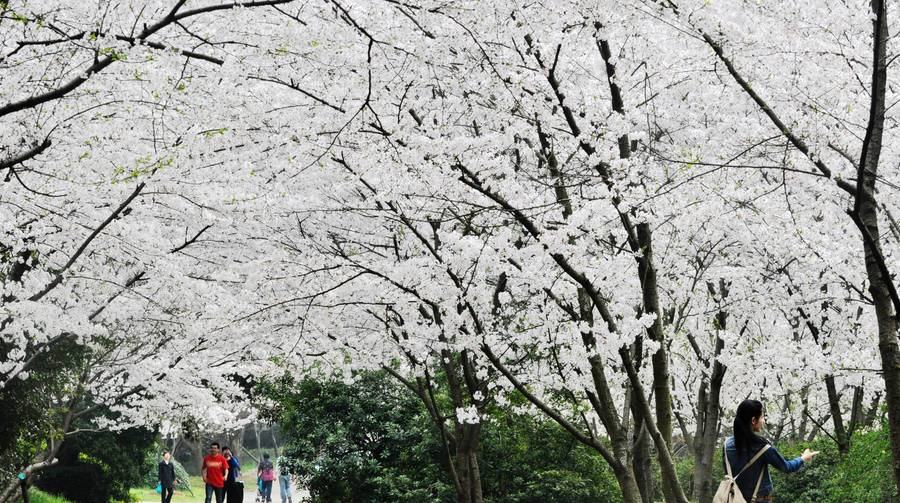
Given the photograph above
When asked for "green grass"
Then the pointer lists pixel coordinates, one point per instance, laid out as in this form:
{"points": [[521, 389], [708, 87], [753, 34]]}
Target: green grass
{"points": [[36, 496], [150, 495], [147, 494]]}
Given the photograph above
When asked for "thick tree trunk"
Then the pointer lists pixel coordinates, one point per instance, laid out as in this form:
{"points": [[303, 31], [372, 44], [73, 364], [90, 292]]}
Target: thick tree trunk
{"points": [[642, 461], [708, 408], [467, 471], [662, 389], [707, 436], [865, 215], [668, 475], [628, 484], [11, 492]]}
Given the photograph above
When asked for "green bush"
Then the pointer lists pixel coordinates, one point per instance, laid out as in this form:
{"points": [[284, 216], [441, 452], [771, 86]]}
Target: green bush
{"points": [[365, 442], [807, 485], [372, 442], [526, 459], [29, 414], [864, 475], [861, 476], [106, 465], [151, 478]]}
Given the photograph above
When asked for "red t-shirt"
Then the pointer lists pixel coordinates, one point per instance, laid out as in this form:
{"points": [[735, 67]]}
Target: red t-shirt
{"points": [[215, 470]]}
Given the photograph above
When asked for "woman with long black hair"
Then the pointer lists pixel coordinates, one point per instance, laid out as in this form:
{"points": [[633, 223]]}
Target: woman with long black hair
{"points": [[748, 448]]}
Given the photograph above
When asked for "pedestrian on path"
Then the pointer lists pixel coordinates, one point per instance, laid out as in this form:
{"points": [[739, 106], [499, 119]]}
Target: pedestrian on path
{"points": [[284, 480], [167, 480], [266, 473], [747, 449], [234, 487], [214, 472]]}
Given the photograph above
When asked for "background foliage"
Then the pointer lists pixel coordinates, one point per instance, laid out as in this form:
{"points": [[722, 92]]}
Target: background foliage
{"points": [[105, 464]]}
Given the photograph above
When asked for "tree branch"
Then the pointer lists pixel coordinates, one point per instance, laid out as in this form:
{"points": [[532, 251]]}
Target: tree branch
{"points": [[57, 279]]}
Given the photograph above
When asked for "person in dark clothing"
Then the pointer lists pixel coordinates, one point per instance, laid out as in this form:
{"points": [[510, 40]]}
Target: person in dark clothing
{"points": [[745, 444], [234, 487], [167, 478]]}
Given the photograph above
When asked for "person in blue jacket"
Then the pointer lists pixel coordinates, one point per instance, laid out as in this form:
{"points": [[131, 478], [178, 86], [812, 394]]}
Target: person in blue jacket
{"points": [[234, 488], [745, 444]]}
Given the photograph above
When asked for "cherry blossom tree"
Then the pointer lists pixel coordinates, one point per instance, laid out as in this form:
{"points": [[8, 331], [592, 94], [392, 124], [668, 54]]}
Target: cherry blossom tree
{"points": [[109, 223], [633, 214]]}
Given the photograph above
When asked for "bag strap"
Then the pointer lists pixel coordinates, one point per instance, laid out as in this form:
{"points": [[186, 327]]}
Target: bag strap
{"points": [[758, 483], [753, 460]]}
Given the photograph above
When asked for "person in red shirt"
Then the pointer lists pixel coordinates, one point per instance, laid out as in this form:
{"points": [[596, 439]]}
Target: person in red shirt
{"points": [[214, 472]]}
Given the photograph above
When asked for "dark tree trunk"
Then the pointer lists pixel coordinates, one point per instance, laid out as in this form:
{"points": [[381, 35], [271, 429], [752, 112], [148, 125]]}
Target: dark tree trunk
{"points": [[707, 435], [642, 461], [837, 418], [467, 471], [865, 215], [872, 415], [856, 411], [804, 401]]}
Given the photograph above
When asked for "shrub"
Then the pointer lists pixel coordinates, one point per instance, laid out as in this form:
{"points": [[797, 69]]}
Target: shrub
{"points": [[861, 476], [151, 478], [864, 475], [105, 464]]}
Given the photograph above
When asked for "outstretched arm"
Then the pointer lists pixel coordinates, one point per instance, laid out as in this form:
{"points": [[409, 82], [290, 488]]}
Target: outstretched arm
{"points": [[774, 458]]}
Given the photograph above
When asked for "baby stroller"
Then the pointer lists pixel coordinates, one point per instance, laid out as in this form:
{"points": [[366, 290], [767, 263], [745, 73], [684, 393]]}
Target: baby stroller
{"points": [[259, 491]]}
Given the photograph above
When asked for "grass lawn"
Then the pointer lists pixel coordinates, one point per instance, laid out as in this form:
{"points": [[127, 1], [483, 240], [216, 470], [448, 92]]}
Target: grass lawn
{"points": [[36, 496], [147, 494]]}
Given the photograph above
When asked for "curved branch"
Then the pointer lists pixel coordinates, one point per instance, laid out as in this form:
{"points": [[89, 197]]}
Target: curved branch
{"points": [[29, 154], [58, 277], [106, 61]]}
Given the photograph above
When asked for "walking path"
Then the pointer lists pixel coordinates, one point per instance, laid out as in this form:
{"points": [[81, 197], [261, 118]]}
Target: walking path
{"points": [[298, 495]]}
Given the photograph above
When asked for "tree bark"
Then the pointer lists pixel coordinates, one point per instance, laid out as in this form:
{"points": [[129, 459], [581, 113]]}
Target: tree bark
{"points": [[627, 480], [856, 411], [834, 405], [467, 464], [865, 215], [642, 461], [706, 438], [873, 411], [804, 400]]}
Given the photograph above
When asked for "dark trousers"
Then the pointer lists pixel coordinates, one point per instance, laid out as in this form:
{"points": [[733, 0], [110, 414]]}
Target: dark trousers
{"points": [[267, 491], [218, 491], [167, 493]]}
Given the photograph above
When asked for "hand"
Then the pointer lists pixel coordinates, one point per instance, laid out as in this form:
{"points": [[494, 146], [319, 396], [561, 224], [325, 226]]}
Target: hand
{"points": [[808, 455]]}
